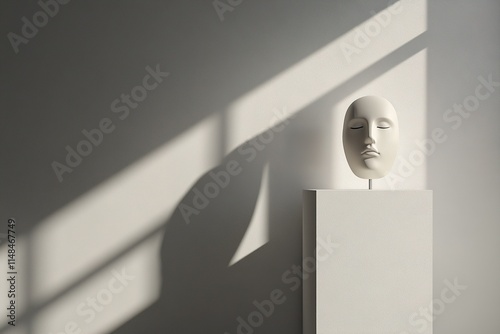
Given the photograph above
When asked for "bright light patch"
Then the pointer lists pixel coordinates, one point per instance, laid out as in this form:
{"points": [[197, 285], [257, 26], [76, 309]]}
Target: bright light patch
{"points": [[257, 234], [103, 222], [324, 70]]}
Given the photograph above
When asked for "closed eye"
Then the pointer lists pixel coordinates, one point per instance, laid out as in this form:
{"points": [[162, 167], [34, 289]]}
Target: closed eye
{"points": [[383, 127], [357, 127]]}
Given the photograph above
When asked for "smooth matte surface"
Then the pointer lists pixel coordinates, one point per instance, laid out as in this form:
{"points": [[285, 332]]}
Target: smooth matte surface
{"points": [[381, 272], [371, 137]]}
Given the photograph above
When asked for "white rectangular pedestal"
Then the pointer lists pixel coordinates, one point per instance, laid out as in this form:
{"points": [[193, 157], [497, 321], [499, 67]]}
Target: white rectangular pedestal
{"points": [[373, 256]]}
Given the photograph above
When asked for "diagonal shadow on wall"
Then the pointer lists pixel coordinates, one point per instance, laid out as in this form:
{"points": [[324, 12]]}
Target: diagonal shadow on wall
{"points": [[200, 292]]}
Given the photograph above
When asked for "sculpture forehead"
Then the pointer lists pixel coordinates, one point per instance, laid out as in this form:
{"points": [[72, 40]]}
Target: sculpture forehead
{"points": [[371, 107]]}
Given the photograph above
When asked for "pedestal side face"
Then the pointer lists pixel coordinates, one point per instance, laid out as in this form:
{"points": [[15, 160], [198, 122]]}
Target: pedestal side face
{"points": [[381, 272], [309, 252]]}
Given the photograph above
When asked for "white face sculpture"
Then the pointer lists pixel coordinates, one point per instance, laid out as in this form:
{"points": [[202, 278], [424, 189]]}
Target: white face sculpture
{"points": [[371, 137]]}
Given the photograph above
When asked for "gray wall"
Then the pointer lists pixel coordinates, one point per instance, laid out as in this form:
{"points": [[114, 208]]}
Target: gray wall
{"points": [[64, 79], [464, 170]]}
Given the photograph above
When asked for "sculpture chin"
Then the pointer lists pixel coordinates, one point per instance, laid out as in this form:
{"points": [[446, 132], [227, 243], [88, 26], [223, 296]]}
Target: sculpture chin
{"points": [[369, 169]]}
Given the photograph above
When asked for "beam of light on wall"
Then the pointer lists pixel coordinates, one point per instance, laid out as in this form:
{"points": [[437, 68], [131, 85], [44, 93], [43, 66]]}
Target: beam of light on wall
{"points": [[116, 292], [325, 69], [257, 233], [308, 80], [103, 223], [405, 85]]}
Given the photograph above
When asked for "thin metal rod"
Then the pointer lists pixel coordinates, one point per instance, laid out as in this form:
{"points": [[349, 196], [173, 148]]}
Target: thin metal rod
{"points": [[370, 184]]}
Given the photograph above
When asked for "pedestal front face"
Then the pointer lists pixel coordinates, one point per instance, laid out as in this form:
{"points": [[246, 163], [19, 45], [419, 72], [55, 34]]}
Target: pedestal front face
{"points": [[379, 275]]}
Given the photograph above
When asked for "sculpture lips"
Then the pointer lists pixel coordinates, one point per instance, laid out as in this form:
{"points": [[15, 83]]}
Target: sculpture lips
{"points": [[370, 151]]}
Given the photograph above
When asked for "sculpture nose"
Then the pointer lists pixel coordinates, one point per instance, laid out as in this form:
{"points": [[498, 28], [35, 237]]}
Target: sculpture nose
{"points": [[370, 138]]}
